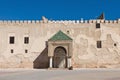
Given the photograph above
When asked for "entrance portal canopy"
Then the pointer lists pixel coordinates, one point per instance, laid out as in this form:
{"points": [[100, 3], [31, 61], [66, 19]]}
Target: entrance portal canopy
{"points": [[60, 39], [60, 50], [60, 36]]}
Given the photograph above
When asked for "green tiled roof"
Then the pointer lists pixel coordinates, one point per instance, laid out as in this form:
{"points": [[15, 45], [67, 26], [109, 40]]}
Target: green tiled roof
{"points": [[60, 36]]}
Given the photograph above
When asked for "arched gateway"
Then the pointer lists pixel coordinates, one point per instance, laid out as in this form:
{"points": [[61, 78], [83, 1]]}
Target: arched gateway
{"points": [[60, 57], [60, 51]]}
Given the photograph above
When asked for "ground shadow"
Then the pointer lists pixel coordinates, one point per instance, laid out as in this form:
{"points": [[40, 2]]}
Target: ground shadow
{"points": [[42, 61]]}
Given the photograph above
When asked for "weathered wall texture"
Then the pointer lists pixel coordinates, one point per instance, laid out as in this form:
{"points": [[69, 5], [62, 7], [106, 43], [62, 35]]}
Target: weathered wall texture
{"points": [[84, 35]]}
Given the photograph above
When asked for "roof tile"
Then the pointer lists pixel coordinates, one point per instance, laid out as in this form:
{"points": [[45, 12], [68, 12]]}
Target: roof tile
{"points": [[60, 36]]}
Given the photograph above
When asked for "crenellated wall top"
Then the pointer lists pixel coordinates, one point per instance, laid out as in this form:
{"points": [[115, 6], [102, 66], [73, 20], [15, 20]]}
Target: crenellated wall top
{"points": [[45, 20]]}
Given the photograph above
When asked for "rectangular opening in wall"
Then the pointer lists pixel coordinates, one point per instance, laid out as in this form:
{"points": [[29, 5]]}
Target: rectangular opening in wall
{"points": [[68, 32], [12, 51], [11, 39], [26, 51], [99, 44], [115, 44], [97, 25], [26, 40]]}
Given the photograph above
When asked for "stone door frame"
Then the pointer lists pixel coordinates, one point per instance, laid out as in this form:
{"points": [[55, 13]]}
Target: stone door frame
{"points": [[60, 56], [67, 44]]}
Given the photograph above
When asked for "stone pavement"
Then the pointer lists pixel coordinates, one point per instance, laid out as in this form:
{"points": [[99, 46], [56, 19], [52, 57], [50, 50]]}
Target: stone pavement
{"points": [[76, 74]]}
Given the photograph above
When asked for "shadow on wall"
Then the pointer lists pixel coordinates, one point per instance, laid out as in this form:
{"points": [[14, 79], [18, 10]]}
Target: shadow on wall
{"points": [[42, 61]]}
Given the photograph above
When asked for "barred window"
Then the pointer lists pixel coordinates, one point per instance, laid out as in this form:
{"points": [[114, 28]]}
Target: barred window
{"points": [[12, 51], [26, 51], [97, 25], [11, 39], [26, 40], [99, 44]]}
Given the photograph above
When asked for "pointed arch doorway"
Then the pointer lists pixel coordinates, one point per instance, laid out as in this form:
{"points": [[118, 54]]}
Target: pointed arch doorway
{"points": [[60, 57]]}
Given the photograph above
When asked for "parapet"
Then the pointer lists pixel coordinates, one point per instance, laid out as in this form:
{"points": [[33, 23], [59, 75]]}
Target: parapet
{"points": [[83, 21], [19, 21], [45, 20]]}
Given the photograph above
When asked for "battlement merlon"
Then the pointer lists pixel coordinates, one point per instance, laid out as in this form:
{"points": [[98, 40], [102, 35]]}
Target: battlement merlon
{"points": [[45, 20]]}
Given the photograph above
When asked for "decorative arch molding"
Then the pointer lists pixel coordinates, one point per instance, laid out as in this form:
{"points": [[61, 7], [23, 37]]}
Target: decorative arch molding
{"points": [[60, 48]]}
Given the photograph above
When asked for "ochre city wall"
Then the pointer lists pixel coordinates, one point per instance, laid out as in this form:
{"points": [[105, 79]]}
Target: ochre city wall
{"points": [[84, 34]]}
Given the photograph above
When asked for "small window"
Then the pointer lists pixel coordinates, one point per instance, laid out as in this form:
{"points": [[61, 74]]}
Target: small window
{"points": [[26, 40], [68, 32], [99, 45], [26, 51], [115, 44], [12, 51], [11, 40], [98, 25]]}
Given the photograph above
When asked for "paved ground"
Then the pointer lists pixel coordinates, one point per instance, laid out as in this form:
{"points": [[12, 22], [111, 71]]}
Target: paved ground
{"points": [[82, 74]]}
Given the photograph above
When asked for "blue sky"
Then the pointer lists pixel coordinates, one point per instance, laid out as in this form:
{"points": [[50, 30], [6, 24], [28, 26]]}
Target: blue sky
{"points": [[58, 9]]}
